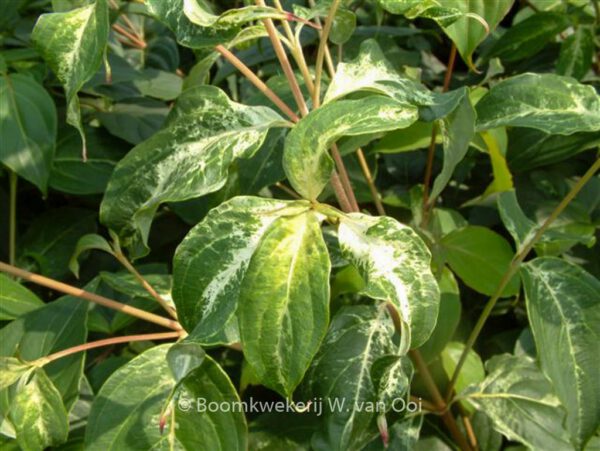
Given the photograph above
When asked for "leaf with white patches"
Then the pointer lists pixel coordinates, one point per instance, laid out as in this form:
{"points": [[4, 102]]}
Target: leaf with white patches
{"points": [[28, 128], [38, 413], [395, 264], [429, 9], [199, 12], [72, 43], [371, 71], [188, 158], [563, 305], [306, 160], [128, 410], [521, 403], [357, 338], [547, 102], [284, 301], [211, 262]]}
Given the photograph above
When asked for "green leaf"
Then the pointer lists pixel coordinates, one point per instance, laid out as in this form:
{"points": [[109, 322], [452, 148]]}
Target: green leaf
{"points": [[520, 402], [472, 371], [547, 102], [480, 257], [458, 129], [15, 299], [184, 358], [190, 157], [417, 136], [404, 436], [395, 264], [59, 325], [530, 148], [187, 33], [38, 414], [51, 239], [468, 33], [306, 160], [28, 128], [529, 36], [576, 53], [429, 9], [284, 301], [447, 319], [11, 370], [72, 43], [341, 376], [87, 243], [199, 12], [563, 306], [127, 411], [211, 262], [70, 174]]}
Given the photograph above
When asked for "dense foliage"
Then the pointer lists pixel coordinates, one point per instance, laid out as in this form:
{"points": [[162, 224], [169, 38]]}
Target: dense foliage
{"points": [[329, 225]]}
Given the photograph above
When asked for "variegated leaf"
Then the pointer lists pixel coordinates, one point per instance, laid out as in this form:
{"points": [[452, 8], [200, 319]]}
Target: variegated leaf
{"points": [[576, 53], [341, 376], [72, 43], [284, 301], [198, 12], [211, 262], [429, 9], [188, 158], [370, 71], [563, 306], [395, 264], [306, 161], [547, 102], [521, 403], [128, 410]]}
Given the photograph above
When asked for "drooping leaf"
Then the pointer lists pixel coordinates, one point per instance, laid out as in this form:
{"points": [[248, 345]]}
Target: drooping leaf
{"points": [[211, 262], [480, 257], [51, 239], [199, 12], [135, 396], [528, 37], [467, 33], [70, 174], [87, 243], [306, 160], [188, 158], [38, 414], [187, 33], [547, 102], [341, 376], [563, 306], [58, 325], [15, 299], [458, 129], [576, 53], [521, 403], [72, 43], [28, 128], [395, 264], [284, 301]]}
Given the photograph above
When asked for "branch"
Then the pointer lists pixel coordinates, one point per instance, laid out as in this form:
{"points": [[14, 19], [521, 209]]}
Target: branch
{"points": [[91, 297], [512, 270], [321, 52]]}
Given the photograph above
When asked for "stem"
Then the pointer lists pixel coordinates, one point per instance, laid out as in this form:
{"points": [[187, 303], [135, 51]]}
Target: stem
{"points": [[134, 39], [285, 63], [12, 231], [369, 178], [340, 193], [440, 405], [344, 178], [321, 52], [91, 297], [512, 270], [107, 342], [257, 82], [428, 203], [145, 284]]}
